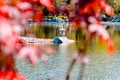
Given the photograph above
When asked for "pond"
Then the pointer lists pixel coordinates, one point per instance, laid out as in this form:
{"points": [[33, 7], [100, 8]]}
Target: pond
{"points": [[100, 67]]}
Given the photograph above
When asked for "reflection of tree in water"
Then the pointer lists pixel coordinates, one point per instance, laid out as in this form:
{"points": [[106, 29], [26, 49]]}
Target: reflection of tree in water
{"points": [[49, 31], [46, 31], [79, 34]]}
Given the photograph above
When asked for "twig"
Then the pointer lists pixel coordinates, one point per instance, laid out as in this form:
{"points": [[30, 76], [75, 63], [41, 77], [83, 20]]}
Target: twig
{"points": [[70, 69], [82, 70]]}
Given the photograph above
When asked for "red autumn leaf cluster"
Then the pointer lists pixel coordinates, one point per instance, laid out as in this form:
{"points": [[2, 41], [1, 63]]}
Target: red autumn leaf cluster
{"points": [[13, 19]]}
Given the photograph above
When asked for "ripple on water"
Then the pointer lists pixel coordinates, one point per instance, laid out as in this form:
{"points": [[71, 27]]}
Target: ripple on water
{"points": [[100, 67]]}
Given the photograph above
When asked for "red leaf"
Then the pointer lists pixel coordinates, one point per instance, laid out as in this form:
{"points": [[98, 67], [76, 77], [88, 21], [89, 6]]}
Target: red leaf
{"points": [[109, 10], [48, 3], [38, 16], [110, 47], [32, 53], [11, 75]]}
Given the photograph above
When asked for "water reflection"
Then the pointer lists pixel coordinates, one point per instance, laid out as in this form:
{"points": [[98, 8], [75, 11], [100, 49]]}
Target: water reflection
{"points": [[100, 67]]}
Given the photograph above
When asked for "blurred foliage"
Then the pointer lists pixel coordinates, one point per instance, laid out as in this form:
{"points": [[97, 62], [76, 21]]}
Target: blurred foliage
{"points": [[59, 2], [116, 5]]}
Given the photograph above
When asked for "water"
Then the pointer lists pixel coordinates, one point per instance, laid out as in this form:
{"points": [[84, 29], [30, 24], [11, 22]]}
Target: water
{"points": [[100, 67]]}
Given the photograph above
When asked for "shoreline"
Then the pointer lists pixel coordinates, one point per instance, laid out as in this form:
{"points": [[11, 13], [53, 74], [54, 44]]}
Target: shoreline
{"points": [[28, 40]]}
